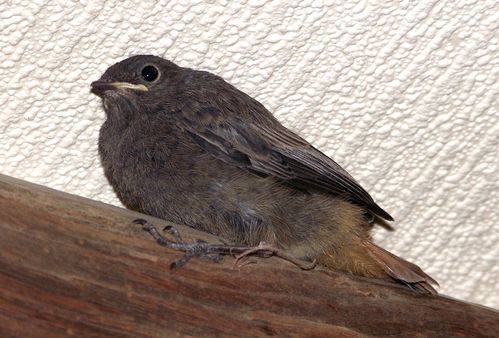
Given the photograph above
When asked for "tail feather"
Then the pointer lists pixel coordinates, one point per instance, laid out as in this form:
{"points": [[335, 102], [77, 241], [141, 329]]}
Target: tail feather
{"points": [[401, 270]]}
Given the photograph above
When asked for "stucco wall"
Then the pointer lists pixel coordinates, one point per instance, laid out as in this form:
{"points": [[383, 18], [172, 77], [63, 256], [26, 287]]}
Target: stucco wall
{"points": [[403, 94]]}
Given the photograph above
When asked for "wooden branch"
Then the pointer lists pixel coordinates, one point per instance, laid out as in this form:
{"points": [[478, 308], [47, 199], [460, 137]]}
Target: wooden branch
{"points": [[72, 266]]}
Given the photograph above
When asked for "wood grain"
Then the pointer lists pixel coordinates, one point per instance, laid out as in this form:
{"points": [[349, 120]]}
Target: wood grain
{"points": [[72, 266]]}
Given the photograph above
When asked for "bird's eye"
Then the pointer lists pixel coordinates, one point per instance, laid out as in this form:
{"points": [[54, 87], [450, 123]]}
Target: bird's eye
{"points": [[150, 73]]}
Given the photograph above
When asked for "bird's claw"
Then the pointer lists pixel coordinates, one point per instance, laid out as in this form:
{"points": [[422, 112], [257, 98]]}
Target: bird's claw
{"points": [[214, 252]]}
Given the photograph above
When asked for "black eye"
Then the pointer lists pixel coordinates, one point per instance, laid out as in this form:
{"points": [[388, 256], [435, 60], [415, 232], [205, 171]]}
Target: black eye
{"points": [[150, 73]]}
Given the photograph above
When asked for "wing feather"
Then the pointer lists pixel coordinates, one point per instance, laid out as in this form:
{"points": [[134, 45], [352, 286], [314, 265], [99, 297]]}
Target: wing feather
{"points": [[238, 130]]}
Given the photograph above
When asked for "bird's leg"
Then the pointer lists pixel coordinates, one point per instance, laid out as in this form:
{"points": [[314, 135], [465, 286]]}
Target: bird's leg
{"points": [[251, 250], [269, 250], [215, 251]]}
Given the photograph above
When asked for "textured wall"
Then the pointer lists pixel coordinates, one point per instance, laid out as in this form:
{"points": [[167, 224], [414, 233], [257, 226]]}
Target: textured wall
{"points": [[404, 94]]}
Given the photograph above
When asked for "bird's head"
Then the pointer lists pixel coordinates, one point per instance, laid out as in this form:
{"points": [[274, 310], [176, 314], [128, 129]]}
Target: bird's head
{"points": [[138, 84]]}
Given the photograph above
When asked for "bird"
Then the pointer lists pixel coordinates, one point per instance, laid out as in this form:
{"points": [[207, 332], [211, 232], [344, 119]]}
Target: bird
{"points": [[186, 146]]}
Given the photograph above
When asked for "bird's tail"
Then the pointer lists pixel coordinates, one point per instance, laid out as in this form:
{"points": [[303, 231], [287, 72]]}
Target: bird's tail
{"points": [[401, 270]]}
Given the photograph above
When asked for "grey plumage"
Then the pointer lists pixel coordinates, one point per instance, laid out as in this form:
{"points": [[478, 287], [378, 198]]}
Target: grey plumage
{"points": [[191, 148]]}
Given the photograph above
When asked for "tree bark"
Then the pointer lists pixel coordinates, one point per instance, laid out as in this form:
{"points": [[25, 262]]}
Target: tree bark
{"points": [[72, 266]]}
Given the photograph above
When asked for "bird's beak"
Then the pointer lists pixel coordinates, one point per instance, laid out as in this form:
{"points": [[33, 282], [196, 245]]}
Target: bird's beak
{"points": [[100, 87]]}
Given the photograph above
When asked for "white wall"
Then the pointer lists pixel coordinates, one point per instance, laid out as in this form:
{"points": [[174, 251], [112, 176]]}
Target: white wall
{"points": [[404, 94]]}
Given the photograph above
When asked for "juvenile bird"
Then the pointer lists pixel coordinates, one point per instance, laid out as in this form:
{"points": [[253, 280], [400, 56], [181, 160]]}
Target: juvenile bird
{"points": [[186, 146]]}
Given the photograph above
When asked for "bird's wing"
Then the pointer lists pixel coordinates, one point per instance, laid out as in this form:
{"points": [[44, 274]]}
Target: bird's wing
{"points": [[264, 146]]}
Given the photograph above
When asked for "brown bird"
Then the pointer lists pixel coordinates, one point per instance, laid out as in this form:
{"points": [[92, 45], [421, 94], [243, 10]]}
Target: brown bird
{"points": [[186, 146]]}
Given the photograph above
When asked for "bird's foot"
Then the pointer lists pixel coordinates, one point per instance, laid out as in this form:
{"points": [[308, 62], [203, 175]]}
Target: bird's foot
{"points": [[263, 248], [214, 252], [200, 249]]}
